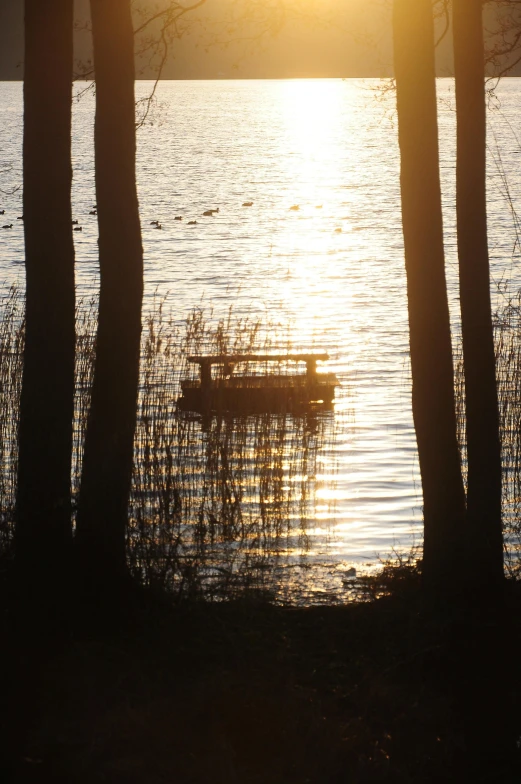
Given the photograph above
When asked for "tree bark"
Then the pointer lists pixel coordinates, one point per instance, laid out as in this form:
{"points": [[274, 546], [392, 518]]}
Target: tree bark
{"points": [[108, 457], [429, 325], [485, 542], [43, 534]]}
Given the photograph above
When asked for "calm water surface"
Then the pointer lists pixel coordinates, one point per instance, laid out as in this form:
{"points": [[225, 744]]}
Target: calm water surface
{"points": [[333, 270]]}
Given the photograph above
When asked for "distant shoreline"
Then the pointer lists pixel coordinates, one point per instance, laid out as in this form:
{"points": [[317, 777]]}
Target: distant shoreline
{"points": [[236, 78]]}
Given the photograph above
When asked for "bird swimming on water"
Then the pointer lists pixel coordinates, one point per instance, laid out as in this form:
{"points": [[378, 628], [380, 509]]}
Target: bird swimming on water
{"points": [[10, 226], [192, 223], [349, 576]]}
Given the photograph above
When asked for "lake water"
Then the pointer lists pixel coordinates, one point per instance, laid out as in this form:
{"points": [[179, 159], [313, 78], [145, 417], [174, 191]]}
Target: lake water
{"points": [[332, 270]]}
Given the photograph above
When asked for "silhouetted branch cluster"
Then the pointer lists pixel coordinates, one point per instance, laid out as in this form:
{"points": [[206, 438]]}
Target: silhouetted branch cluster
{"points": [[504, 36]]}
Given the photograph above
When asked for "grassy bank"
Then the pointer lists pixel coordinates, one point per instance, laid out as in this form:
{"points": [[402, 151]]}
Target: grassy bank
{"points": [[242, 692]]}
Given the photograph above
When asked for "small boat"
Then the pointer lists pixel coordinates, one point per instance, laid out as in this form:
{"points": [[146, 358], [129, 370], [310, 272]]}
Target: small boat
{"points": [[251, 390]]}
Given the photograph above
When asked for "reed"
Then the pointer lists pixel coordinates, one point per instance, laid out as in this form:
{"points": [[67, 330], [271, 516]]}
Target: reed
{"points": [[220, 504], [507, 338], [11, 365], [508, 359], [217, 501]]}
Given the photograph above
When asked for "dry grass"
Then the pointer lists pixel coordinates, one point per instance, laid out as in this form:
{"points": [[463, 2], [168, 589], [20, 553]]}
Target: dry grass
{"points": [[11, 347], [218, 504], [507, 329]]}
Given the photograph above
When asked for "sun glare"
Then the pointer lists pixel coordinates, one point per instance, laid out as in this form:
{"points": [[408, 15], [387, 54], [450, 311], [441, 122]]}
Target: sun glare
{"points": [[311, 107], [311, 239]]}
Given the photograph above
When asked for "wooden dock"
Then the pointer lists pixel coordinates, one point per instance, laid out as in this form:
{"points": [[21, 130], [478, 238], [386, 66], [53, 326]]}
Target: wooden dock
{"points": [[256, 391]]}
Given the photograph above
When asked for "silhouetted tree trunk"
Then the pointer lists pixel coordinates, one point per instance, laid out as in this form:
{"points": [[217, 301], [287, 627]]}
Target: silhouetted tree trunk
{"points": [[43, 533], [488, 718], [430, 340], [485, 543], [107, 462]]}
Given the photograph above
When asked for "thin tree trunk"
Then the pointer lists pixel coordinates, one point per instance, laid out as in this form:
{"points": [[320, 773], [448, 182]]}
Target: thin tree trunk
{"points": [[487, 714], [485, 542], [107, 462], [43, 532], [430, 340]]}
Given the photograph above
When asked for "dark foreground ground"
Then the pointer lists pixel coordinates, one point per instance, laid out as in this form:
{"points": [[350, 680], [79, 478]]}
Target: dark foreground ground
{"points": [[246, 693]]}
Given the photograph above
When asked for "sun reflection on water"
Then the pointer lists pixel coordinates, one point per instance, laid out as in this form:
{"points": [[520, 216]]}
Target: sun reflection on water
{"points": [[330, 272]]}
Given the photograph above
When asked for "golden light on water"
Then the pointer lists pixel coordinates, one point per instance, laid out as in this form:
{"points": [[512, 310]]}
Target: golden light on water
{"points": [[312, 107], [332, 244], [313, 238], [325, 274]]}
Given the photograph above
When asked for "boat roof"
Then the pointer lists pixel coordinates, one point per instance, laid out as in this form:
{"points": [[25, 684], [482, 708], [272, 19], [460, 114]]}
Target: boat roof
{"points": [[217, 359]]}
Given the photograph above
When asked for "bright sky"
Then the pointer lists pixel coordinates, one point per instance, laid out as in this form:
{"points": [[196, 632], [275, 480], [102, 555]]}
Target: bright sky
{"points": [[311, 38], [319, 38]]}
